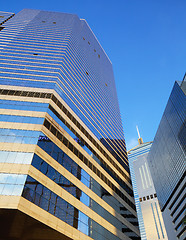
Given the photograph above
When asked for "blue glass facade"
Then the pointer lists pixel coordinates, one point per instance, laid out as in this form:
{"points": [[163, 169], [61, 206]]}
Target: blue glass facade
{"points": [[55, 55], [61, 129], [168, 149], [167, 162]]}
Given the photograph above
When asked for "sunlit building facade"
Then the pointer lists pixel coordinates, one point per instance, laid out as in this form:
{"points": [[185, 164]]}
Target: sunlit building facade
{"points": [[167, 162], [64, 170], [149, 214]]}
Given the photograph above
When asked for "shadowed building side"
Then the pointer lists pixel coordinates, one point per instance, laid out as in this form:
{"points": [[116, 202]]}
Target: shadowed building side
{"points": [[167, 162]]}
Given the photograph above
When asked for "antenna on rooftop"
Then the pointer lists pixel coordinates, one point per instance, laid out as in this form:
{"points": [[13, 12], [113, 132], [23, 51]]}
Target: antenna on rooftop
{"points": [[138, 131], [140, 140]]}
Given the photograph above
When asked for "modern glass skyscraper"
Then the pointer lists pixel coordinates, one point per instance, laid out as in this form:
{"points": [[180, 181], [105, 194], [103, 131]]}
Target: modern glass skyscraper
{"points": [[167, 162], [149, 214], [63, 165]]}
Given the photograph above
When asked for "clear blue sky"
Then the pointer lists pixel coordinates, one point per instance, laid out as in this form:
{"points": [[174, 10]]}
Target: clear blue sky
{"points": [[146, 42]]}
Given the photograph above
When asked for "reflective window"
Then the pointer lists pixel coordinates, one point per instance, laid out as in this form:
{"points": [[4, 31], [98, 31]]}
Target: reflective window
{"points": [[16, 157], [12, 184], [19, 136], [28, 106], [21, 119]]}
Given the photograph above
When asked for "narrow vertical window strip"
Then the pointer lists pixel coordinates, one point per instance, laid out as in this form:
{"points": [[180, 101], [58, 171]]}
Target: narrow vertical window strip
{"points": [[145, 177], [141, 222], [148, 174], [159, 220], [155, 221], [141, 178]]}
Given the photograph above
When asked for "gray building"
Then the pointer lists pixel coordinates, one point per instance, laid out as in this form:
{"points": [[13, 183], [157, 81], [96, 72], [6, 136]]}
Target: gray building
{"points": [[149, 214], [64, 170], [167, 162]]}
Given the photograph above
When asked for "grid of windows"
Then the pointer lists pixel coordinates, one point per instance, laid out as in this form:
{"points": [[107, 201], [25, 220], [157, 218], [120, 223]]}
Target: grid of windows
{"points": [[169, 152], [62, 158], [49, 44], [91, 151], [60, 105], [63, 182], [66, 142], [168, 149], [54, 204], [48, 51]]}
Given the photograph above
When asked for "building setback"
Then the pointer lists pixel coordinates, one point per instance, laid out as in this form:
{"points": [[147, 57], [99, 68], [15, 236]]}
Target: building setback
{"points": [[167, 162], [64, 170], [149, 214]]}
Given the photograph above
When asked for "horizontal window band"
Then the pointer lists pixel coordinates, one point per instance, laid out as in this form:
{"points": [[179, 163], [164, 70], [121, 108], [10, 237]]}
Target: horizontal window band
{"points": [[41, 45], [41, 50], [25, 94], [34, 38], [21, 119], [23, 113], [17, 51]]}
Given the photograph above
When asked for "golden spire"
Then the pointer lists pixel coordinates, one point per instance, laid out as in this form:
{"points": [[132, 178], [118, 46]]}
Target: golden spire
{"points": [[140, 140]]}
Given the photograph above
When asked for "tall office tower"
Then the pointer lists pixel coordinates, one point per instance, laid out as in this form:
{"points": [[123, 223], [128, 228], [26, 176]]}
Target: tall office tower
{"points": [[149, 214], [64, 170], [167, 162]]}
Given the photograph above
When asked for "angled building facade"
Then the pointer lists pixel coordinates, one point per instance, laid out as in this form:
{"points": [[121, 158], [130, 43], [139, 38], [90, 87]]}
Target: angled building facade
{"points": [[149, 214], [64, 170], [167, 162]]}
